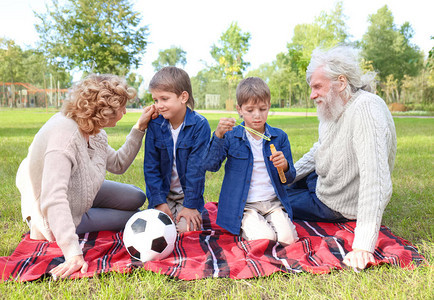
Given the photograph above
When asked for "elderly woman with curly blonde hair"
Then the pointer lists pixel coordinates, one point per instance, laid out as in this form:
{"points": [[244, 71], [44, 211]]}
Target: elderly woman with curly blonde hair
{"points": [[62, 179]]}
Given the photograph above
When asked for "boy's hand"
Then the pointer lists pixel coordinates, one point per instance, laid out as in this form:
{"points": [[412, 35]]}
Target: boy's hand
{"points": [[279, 160], [224, 126], [165, 208], [191, 215]]}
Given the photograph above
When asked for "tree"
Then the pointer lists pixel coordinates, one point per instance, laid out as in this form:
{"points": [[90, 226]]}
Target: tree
{"points": [[326, 31], [278, 77], [94, 36], [134, 80], [11, 60], [208, 81], [417, 93], [37, 66], [11, 69], [229, 52], [170, 57], [289, 78], [29, 67], [389, 49], [286, 80], [428, 94]]}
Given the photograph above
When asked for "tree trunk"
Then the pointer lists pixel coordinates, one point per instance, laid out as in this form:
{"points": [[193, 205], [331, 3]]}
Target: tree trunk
{"points": [[45, 95], [290, 96], [13, 104]]}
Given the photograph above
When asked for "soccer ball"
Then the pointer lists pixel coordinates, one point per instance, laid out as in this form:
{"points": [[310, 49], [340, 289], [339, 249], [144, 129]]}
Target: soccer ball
{"points": [[149, 235]]}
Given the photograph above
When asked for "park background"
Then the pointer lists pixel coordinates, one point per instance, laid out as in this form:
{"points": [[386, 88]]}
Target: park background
{"points": [[93, 36], [46, 45]]}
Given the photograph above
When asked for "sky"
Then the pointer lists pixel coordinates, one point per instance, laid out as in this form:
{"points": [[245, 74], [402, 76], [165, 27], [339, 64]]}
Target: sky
{"points": [[195, 25]]}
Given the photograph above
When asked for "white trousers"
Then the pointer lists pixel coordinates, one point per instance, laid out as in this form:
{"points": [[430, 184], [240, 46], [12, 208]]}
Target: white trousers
{"points": [[268, 220]]}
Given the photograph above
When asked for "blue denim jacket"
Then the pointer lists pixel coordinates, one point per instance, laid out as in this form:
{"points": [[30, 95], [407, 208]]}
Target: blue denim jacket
{"points": [[238, 170], [157, 166]]}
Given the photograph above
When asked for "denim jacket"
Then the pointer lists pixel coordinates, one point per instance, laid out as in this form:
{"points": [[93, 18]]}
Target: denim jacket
{"points": [[157, 166], [238, 171]]}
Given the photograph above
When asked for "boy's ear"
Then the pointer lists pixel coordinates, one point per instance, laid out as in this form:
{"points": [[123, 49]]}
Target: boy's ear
{"points": [[239, 111], [184, 96]]}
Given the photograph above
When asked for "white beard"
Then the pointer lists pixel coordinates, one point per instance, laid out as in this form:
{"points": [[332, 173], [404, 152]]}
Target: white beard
{"points": [[331, 107]]}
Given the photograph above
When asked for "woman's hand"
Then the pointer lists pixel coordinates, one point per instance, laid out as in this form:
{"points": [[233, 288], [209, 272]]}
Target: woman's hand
{"points": [[71, 265], [225, 125], [191, 215], [149, 112]]}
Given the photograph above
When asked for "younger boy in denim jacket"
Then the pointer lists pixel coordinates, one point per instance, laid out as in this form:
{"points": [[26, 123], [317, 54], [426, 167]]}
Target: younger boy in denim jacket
{"points": [[253, 202]]}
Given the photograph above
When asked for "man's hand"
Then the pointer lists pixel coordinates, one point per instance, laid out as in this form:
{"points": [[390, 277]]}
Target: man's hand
{"points": [[71, 265], [191, 215], [358, 259], [225, 125], [165, 208]]}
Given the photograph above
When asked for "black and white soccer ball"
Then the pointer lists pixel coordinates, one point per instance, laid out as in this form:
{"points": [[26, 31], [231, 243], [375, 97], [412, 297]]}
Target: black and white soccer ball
{"points": [[149, 235]]}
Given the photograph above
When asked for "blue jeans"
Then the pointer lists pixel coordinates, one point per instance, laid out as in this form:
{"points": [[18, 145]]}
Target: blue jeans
{"points": [[306, 205], [114, 204]]}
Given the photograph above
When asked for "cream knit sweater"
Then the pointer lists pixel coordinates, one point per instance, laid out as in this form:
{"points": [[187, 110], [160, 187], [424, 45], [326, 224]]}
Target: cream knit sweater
{"points": [[354, 158], [61, 176]]}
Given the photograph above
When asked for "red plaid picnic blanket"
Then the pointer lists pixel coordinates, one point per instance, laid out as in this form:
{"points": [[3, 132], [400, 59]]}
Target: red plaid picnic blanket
{"points": [[214, 252]]}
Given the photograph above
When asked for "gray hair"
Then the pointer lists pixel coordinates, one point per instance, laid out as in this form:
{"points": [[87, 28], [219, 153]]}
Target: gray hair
{"points": [[341, 60]]}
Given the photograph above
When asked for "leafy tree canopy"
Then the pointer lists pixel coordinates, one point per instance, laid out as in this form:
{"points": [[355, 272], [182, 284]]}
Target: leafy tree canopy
{"points": [[170, 57], [229, 52], [94, 36], [287, 80], [389, 48], [328, 30], [11, 65], [30, 66]]}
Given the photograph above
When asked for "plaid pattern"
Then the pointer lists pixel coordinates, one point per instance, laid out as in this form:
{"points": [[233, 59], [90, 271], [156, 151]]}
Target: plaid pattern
{"points": [[214, 252]]}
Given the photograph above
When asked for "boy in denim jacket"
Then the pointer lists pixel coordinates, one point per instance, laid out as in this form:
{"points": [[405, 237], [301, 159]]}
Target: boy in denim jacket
{"points": [[174, 146], [253, 201]]}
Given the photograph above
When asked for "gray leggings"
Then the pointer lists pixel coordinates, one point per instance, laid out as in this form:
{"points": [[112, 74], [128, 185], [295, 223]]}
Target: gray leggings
{"points": [[114, 204]]}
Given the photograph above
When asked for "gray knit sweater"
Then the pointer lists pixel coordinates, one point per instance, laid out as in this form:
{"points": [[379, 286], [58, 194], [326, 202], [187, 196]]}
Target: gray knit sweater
{"points": [[61, 176], [354, 158]]}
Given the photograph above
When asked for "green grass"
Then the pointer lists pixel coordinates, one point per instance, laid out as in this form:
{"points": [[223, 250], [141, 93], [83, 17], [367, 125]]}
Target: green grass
{"points": [[409, 215], [420, 113], [293, 109]]}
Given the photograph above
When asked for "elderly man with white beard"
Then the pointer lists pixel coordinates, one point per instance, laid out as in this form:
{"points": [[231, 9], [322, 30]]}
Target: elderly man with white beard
{"points": [[346, 175]]}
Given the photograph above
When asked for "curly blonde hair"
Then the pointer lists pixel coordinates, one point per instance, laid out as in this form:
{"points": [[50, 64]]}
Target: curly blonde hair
{"points": [[93, 101]]}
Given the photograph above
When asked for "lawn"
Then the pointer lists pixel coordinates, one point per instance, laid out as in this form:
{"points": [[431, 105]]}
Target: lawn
{"points": [[409, 215]]}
